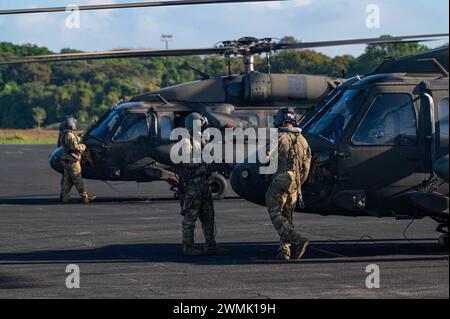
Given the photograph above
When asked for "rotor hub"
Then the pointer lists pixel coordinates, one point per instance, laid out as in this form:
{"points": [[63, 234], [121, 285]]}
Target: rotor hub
{"points": [[247, 46]]}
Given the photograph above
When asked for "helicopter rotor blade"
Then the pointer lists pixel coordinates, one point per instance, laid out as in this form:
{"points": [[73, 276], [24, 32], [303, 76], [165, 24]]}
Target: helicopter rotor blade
{"points": [[226, 50], [128, 5], [367, 41], [114, 55]]}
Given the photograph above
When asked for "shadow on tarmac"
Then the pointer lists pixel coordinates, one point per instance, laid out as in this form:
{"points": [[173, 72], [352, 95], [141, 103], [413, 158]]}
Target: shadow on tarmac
{"points": [[51, 201], [319, 252]]}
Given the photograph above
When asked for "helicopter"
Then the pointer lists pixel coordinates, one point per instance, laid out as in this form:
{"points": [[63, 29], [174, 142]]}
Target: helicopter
{"points": [[131, 141], [380, 146], [125, 142]]}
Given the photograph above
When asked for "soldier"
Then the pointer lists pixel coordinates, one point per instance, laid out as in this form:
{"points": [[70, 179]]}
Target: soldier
{"points": [[73, 149], [294, 160], [195, 196]]}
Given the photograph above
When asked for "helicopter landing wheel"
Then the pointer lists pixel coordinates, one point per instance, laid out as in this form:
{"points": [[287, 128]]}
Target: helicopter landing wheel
{"points": [[219, 186]]}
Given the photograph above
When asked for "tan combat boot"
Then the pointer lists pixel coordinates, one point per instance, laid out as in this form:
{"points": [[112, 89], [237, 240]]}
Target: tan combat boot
{"points": [[87, 198], [191, 251], [214, 250], [299, 248], [284, 252]]}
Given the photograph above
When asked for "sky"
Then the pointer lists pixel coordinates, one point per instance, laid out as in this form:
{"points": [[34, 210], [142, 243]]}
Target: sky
{"points": [[205, 25]]}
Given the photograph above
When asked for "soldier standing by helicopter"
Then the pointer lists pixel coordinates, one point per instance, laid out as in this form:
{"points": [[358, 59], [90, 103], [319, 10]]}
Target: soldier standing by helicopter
{"points": [[195, 195], [71, 160], [294, 160]]}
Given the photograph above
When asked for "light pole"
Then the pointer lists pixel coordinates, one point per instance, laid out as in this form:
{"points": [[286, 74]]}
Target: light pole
{"points": [[166, 38]]}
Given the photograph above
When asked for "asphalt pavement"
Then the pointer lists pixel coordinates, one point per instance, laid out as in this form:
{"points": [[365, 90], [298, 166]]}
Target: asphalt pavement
{"points": [[127, 245]]}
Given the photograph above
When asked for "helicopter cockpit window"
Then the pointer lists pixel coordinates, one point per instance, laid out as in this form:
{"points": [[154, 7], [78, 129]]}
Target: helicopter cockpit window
{"points": [[133, 127], [443, 126], [391, 120], [104, 128], [165, 124], [335, 120]]}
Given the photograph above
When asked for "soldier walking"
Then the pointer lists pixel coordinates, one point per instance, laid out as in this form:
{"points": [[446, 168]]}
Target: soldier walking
{"points": [[294, 160], [71, 161]]}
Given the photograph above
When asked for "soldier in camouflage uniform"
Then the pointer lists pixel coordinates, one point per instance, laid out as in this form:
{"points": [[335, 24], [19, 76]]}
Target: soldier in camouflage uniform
{"points": [[73, 149], [195, 197], [294, 160]]}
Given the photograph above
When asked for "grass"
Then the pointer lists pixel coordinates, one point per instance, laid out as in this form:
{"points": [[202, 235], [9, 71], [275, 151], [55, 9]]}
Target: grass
{"points": [[33, 136]]}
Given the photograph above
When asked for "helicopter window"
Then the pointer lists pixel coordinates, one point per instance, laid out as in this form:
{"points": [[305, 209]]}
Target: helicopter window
{"points": [[443, 125], [132, 128], [102, 131], [335, 120], [166, 128], [391, 120]]}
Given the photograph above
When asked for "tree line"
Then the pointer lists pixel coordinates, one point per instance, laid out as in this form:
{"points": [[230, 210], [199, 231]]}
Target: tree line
{"points": [[41, 94]]}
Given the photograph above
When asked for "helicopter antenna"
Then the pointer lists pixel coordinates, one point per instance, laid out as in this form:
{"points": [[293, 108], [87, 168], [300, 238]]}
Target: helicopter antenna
{"points": [[249, 63], [268, 61]]}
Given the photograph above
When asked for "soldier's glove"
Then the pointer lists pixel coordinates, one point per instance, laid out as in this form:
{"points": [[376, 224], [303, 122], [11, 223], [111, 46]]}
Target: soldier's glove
{"points": [[301, 203], [172, 180]]}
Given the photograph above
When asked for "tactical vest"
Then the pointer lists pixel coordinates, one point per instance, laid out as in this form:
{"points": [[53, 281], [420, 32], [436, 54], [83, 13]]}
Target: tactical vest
{"points": [[70, 154], [298, 157], [189, 172]]}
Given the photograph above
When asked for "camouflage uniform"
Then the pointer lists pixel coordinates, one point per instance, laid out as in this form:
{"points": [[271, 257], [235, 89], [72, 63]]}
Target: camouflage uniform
{"points": [[73, 149], [196, 201], [294, 159]]}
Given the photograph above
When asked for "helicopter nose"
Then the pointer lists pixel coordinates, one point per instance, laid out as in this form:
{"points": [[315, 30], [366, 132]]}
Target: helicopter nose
{"points": [[248, 183], [54, 160]]}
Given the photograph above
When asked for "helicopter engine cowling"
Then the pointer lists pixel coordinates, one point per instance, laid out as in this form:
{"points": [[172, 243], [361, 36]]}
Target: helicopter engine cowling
{"points": [[261, 87]]}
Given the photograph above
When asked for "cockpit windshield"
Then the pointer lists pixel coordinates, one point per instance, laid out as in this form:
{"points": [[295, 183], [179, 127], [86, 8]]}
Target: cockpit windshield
{"points": [[104, 128], [334, 121]]}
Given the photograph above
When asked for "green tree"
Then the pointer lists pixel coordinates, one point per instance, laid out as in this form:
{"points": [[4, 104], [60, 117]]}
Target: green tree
{"points": [[87, 89], [375, 54], [39, 116]]}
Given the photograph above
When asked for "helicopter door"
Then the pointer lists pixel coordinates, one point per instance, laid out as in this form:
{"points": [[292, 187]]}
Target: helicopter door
{"points": [[165, 128], [129, 144], [382, 153]]}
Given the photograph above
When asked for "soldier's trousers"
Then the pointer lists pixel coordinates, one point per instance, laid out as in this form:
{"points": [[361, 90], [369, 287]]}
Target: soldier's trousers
{"points": [[198, 204], [281, 198], [71, 177]]}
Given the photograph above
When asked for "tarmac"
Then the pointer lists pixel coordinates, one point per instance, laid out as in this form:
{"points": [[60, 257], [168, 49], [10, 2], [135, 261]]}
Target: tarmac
{"points": [[127, 245]]}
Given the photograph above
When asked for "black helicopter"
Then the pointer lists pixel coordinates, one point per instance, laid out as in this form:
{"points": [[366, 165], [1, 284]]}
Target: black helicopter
{"points": [[131, 142], [380, 145]]}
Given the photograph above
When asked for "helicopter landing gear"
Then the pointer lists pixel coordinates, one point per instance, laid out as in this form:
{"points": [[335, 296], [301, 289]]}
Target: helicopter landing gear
{"points": [[219, 186]]}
